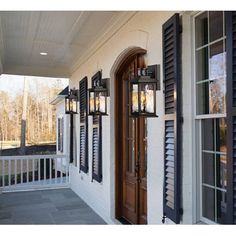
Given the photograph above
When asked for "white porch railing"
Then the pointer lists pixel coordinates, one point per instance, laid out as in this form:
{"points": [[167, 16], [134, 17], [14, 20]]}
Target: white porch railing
{"points": [[33, 172]]}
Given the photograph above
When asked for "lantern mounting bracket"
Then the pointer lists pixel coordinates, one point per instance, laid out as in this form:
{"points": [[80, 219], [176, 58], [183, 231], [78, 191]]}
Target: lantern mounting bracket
{"points": [[75, 92], [97, 81], [154, 72]]}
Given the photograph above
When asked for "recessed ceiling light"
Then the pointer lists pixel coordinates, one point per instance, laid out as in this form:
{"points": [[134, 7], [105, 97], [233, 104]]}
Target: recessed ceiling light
{"points": [[43, 53]]}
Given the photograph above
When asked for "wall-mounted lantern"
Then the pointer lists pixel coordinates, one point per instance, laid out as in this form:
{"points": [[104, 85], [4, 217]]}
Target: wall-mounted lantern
{"points": [[98, 95], [143, 89], [71, 108], [71, 102]]}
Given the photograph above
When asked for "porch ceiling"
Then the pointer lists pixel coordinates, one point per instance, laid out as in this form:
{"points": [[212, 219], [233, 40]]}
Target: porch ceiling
{"points": [[65, 36]]}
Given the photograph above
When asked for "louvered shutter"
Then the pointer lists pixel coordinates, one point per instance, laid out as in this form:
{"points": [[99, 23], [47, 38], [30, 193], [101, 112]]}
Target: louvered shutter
{"points": [[97, 149], [58, 134], [172, 140], [83, 125], [230, 19]]}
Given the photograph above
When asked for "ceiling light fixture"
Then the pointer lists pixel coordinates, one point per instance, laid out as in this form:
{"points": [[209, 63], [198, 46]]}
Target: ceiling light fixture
{"points": [[43, 53]]}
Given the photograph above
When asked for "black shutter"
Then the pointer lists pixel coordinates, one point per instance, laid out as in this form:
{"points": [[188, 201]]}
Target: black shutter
{"points": [[173, 122], [97, 149], [58, 134], [83, 125], [230, 19]]}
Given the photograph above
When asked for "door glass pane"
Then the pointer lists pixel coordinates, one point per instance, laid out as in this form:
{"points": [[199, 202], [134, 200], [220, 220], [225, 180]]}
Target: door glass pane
{"points": [[203, 98], [131, 145], [208, 134], [201, 30], [221, 207], [208, 168], [208, 203], [221, 171], [215, 25], [202, 64]]}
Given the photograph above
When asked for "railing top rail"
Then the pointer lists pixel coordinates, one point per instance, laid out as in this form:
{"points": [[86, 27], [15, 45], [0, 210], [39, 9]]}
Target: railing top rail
{"points": [[25, 157]]}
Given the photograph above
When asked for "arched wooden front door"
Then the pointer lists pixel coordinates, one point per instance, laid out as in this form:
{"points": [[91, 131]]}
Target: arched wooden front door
{"points": [[131, 150]]}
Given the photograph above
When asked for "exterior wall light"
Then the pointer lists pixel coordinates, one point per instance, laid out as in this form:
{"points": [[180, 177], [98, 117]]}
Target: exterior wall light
{"points": [[143, 89], [98, 96], [71, 108], [71, 102]]}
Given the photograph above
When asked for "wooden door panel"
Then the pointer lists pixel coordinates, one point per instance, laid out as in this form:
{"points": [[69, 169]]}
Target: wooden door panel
{"points": [[143, 202], [130, 196]]}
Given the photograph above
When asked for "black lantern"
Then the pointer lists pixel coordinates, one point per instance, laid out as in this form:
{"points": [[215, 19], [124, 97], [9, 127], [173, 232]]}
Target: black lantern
{"points": [[143, 94], [71, 102], [98, 95]]}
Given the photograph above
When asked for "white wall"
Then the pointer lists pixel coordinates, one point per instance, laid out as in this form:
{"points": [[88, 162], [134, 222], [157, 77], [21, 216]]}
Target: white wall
{"points": [[143, 30]]}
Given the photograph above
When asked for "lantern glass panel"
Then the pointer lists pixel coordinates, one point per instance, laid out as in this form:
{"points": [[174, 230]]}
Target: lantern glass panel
{"points": [[149, 98], [134, 98], [67, 101], [91, 102], [74, 106], [102, 102]]}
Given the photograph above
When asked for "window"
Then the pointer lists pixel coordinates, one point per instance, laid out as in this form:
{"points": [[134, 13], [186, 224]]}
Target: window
{"points": [[210, 79], [210, 63]]}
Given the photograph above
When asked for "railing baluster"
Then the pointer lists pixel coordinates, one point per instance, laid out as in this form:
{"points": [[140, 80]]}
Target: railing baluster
{"points": [[44, 169], [39, 170], [55, 170], [27, 171], [3, 173], [61, 170], [33, 170], [50, 170], [66, 170], [9, 173], [21, 171], [15, 171]]}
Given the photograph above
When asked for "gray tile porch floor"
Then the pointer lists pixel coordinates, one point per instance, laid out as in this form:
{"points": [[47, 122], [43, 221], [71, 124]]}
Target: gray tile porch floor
{"points": [[60, 206]]}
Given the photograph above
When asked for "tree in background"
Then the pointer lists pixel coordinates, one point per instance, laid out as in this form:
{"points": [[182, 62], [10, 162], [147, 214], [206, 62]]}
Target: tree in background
{"points": [[33, 106]]}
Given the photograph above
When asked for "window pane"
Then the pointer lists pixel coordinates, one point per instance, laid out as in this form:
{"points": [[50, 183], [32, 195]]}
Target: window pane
{"points": [[201, 30], [217, 61], [215, 25], [208, 168], [208, 203], [221, 135], [217, 96], [217, 77], [221, 171], [221, 207], [202, 64], [208, 134], [203, 98]]}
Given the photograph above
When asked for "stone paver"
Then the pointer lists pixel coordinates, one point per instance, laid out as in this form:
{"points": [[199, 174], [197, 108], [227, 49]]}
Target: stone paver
{"points": [[60, 206]]}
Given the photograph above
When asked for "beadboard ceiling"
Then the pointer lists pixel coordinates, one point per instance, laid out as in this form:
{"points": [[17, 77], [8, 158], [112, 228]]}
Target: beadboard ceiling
{"points": [[65, 36]]}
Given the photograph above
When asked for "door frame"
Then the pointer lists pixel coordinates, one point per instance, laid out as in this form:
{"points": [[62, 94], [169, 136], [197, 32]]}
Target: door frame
{"points": [[124, 59]]}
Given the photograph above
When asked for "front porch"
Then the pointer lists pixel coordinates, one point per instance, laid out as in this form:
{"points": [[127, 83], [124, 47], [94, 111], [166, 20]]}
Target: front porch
{"points": [[60, 206]]}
